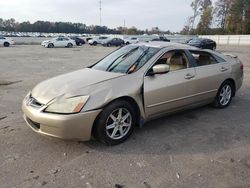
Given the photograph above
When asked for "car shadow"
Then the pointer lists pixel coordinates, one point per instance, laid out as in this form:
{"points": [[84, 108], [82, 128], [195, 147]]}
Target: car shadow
{"points": [[201, 130]]}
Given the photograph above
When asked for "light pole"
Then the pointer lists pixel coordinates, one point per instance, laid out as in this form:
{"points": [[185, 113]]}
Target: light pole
{"points": [[100, 12]]}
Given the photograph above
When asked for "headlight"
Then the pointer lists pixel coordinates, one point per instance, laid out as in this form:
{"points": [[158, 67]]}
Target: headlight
{"points": [[67, 105]]}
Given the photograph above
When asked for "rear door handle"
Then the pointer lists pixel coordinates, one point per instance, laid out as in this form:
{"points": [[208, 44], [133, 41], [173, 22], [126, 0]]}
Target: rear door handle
{"points": [[223, 69], [189, 76]]}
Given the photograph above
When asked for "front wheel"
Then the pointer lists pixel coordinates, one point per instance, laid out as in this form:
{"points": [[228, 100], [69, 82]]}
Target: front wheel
{"points": [[70, 45], [224, 95], [50, 45], [6, 44], [115, 123]]}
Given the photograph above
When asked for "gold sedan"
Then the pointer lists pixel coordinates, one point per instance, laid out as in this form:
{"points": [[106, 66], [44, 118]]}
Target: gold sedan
{"points": [[130, 86]]}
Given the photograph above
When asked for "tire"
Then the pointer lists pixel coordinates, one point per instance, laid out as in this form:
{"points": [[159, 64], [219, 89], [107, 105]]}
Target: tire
{"points": [[50, 45], [6, 44], [214, 48], [224, 95], [95, 43], [70, 45], [108, 45], [127, 43], [111, 129]]}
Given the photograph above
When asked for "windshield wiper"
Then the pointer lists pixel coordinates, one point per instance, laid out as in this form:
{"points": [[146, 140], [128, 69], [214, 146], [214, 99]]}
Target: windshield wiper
{"points": [[138, 60]]}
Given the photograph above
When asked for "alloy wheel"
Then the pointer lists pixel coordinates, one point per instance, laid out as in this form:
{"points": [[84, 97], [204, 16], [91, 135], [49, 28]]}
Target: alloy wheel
{"points": [[118, 123], [225, 95]]}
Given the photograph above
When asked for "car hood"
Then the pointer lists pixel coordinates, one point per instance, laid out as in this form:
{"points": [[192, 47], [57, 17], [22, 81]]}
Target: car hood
{"points": [[70, 83], [46, 41]]}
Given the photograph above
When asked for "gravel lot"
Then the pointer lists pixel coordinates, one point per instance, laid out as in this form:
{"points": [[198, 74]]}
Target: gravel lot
{"points": [[205, 147]]}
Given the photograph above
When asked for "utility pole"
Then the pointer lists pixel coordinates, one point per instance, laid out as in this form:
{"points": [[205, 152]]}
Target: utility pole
{"points": [[100, 12], [124, 23]]}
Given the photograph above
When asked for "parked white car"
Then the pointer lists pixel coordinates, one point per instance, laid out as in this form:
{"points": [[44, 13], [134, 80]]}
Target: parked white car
{"points": [[131, 40], [59, 42], [6, 42], [98, 40]]}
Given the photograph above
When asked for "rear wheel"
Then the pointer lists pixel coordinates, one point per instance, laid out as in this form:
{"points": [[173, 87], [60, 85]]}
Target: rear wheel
{"points": [[6, 44], [127, 43], [95, 43], [224, 95], [115, 123]]}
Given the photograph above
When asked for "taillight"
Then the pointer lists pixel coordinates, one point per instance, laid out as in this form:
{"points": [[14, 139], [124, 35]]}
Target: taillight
{"points": [[241, 66]]}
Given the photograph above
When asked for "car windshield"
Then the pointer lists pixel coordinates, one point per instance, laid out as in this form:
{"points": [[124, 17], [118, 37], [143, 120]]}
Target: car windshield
{"points": [[127, 59]]}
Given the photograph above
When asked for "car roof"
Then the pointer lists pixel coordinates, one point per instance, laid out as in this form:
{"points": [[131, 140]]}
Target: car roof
{"points": [[170, 45]]}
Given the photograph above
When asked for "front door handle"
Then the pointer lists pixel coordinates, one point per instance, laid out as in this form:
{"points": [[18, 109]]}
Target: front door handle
{"points": [[223, 69], [189, 76]]}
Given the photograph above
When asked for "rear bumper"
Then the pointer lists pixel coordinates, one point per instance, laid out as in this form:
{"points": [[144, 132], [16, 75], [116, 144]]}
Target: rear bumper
{"points": [[69, 127], [239, 82]]}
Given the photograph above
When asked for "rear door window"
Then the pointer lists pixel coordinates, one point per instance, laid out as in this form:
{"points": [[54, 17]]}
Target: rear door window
{"points": [[203, 58]]}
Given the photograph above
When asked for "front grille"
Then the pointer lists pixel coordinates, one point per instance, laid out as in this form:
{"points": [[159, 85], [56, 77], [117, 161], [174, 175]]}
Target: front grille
{"points": [[31, 101]]}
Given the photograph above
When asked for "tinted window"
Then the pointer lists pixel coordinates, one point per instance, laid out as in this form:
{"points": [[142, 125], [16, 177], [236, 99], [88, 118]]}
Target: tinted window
{"points": [[203, 58], [219, 59], [195, 40]]}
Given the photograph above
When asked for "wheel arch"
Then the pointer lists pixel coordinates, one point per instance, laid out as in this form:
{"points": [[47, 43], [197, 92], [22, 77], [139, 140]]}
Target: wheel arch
{"points": [[123, 98]]}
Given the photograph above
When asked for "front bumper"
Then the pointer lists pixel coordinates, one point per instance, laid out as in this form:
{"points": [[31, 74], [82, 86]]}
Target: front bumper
{"points": [[68, 127]]}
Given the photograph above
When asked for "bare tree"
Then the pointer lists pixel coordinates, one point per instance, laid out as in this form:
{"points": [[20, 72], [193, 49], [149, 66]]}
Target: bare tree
{"points": [[205, 4], [221, 12], [206, 17], [196, 6]]}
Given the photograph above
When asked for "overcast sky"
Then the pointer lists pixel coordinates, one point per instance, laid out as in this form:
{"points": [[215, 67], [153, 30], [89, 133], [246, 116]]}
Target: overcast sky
{"points": [[143, 14]]}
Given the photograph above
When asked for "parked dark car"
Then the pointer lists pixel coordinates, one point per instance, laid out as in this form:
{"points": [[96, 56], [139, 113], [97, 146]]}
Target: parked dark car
{"points": [[203, 43], [114, 42], [163, 39], [79, 41]]}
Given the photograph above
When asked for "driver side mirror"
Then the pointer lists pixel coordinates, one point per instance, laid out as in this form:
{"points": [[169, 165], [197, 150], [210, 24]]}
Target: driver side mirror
{"points": [[159, 69]]}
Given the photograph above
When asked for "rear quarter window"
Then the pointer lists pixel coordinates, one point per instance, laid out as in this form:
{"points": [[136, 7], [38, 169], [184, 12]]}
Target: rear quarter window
{"points": [[219, 59]]}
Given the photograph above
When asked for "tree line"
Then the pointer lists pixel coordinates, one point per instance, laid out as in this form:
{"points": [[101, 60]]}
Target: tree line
{"points": [[222, 17], [69, 27], [52, 27]]}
